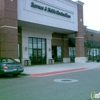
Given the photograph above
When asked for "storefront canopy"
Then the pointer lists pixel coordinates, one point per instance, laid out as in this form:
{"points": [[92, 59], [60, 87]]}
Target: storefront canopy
{"points": [[88, 43], [71, 42], [91, 44]]}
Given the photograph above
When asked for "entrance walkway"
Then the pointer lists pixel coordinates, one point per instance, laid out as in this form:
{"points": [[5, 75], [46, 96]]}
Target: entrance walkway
{"points": [[44, 70]]}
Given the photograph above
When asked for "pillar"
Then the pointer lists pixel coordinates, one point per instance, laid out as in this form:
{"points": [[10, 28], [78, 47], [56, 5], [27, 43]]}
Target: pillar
{"points": [[80, 53], [8, 29], [65, 49]]}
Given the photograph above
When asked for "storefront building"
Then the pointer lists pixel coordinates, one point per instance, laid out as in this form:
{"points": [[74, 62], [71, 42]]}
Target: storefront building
{"points": [[42, 31], [92, 44]]}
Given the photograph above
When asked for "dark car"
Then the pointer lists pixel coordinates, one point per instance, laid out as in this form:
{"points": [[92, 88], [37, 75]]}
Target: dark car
{"points": [[10, 66]]}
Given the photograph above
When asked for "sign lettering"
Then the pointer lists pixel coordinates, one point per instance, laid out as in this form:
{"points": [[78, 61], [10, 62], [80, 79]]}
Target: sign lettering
{"points": [[50, 10]]}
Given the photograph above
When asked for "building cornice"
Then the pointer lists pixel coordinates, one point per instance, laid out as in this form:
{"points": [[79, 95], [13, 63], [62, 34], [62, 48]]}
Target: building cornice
{"points": [[79, 2]]}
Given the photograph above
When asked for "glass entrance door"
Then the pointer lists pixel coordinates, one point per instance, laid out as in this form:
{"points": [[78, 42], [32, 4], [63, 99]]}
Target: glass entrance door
{"points": [[37, 50], [37, 56], [57, 53]]}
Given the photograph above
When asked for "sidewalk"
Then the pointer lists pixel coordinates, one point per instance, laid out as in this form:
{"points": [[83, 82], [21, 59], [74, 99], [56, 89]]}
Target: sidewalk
{"points": [[38, 70]]}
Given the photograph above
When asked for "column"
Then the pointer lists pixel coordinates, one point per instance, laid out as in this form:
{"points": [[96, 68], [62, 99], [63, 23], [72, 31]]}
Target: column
{"points": [[80, 53], [65, 49], [8, 29]]}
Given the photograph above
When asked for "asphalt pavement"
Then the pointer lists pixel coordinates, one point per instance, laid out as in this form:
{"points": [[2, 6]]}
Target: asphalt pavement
{"points": [[48, 88], [51, 69]]}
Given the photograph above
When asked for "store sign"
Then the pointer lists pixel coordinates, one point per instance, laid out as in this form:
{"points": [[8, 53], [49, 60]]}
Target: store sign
{"points": [[50, 10]]}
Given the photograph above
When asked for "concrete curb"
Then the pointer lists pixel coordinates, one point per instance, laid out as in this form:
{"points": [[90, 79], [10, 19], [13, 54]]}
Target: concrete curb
{"points": [[57, 72]]}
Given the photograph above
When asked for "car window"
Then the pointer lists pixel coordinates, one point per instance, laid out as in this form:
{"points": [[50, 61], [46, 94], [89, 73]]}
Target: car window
{"points": [[3, 60], [8, 60]]}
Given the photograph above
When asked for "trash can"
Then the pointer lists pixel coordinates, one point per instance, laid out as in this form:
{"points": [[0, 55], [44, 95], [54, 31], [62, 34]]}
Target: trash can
{"points": [[29, 62], [51, 61], [26, 62]]}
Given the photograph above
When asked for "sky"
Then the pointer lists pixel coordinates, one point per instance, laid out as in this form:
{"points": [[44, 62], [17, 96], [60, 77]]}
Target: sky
{"points": [[91, 14]]}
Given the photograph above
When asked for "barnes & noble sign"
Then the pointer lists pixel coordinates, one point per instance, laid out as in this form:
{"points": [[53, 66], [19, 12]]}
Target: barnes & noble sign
{"points": [[50, 10]]}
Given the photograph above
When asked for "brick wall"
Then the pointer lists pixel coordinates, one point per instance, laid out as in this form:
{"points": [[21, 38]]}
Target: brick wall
{"points": [[8, 29], [61, 40], [80, 34]]}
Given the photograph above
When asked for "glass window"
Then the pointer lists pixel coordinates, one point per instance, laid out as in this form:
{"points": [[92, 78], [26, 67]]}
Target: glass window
{"points": [[30, 45], [43, 41], [43, 52], [72, 51], [30, 40], [35, 53], [43, 46], [39, 46], [30, 51], [34, 40], [39, 40], [35, 46], [37, 50], [8, 60], [39, 53], [59, 53], [30, 55], [39, 43], [43, 56]]}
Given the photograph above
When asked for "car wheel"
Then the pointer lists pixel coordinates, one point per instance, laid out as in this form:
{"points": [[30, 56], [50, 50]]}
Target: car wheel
{"points": [[16, 74]]}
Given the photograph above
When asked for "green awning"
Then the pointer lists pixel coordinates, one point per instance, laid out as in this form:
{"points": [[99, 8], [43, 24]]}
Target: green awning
{"points": [[88, 43], [91, 44], [71, 42]]}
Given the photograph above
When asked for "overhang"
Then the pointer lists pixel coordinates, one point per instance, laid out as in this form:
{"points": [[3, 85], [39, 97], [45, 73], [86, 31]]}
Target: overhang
{"points": [[44, 27], [90, 43]]}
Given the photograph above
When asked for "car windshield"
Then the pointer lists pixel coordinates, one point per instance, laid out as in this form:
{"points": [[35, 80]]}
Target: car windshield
{"points": [[7, 60]]}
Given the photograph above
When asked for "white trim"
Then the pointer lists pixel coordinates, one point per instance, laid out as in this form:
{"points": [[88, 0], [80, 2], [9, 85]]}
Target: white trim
{"points": [[66, 60], [59, 38], [66, 1], [8, 27], [80, 59], [80, 3], [56, 38], [79, 37]]}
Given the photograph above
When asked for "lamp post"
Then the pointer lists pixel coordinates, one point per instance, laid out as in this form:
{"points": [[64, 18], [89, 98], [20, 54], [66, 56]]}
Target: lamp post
{"points": [[92, 47], [87, 43]]}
